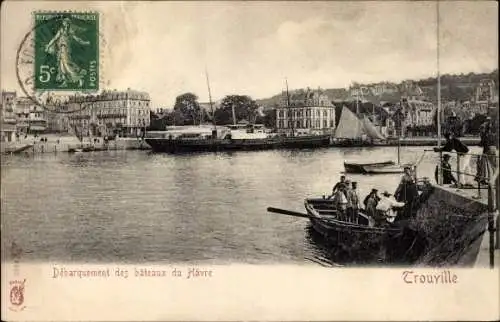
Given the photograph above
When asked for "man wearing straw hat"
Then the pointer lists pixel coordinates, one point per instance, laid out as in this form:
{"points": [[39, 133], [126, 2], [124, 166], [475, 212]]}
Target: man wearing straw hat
{"points": [[387, 206]]}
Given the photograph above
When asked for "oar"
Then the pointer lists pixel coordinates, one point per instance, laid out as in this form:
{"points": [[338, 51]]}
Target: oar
{"points": [[287, 212]]}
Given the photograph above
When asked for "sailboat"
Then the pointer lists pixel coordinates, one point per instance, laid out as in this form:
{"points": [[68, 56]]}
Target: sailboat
{"points": [[352, 131]]}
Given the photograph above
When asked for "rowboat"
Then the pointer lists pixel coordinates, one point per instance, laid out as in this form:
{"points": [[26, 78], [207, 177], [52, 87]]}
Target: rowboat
{"points": [[356, 235], [373, 167], [14, 147]]}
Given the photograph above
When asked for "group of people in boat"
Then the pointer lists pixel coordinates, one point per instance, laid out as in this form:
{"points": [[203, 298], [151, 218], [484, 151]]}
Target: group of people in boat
{"points": [[381, 209]]}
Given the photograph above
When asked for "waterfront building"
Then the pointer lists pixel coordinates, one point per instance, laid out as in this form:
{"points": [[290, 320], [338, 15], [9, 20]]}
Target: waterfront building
{"points": [[8, 117], [124, 113], [418, 117], [394, 121], [31, 117], [23, 114], [305, 111], [485, 97]]}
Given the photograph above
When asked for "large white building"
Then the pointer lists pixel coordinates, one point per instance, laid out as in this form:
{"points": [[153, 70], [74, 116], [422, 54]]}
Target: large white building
{"points": [[125, 113], [305, 111]]}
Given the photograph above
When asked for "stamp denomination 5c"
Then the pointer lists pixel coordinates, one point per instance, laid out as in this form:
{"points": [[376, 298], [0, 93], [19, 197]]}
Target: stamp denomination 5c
{"points": [[66, 51]]}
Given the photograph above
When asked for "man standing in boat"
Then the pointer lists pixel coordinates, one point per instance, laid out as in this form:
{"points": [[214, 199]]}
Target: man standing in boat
{"points": [[341, 185], [352, 201], [407, 192], [454, 143], [370, 202]]}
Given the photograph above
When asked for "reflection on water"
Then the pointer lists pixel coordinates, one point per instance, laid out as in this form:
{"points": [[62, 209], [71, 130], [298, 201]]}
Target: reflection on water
{"points": [[132, 206]]}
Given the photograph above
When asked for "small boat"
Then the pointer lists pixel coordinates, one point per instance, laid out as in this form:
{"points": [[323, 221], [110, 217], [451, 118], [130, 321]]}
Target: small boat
{"points": [[356, 235], [354, 167], [14, 147]]}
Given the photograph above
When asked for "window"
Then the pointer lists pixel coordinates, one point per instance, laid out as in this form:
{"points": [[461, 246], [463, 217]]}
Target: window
{"points": [[325, 123]]}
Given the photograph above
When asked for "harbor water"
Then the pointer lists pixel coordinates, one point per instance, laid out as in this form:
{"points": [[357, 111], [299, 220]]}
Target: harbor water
{"points": [[138, 206]]}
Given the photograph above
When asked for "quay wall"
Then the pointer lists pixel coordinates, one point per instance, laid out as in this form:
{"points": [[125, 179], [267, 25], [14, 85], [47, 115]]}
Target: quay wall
{"points": [[65, 144], [428, 141], [453, 225]]}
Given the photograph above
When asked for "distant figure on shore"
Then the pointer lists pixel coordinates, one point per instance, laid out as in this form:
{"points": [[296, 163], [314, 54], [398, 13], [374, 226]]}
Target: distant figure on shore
{"points": [[448, 177], [487, 163], [453, 143], [387, 208]]}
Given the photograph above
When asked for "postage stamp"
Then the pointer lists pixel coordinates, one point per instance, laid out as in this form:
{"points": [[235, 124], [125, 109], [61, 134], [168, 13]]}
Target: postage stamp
{"points": [[61, 56], [66, 51]]}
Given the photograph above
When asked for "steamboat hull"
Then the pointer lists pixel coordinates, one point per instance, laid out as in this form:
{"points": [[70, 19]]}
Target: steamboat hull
{"points": [[214, 145]]}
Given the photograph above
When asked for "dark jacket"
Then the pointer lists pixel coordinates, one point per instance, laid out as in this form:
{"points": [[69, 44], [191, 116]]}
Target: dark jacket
{"points": [[448, 177], [375, 198], [339, 185], [453, 144], [487, 137]]}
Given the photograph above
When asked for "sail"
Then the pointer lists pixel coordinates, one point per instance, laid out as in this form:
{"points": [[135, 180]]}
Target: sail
{"points": [[371, 130], [350, 127]]}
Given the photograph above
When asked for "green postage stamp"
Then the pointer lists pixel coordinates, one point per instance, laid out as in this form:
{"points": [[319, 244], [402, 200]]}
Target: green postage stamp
{"points": [[66, 51]]}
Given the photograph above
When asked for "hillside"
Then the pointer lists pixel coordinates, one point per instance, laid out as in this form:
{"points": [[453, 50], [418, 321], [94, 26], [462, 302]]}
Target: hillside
{"points": [[453, 87]]}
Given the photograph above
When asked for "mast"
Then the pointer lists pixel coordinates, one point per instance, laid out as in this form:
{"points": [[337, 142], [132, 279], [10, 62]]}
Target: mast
{"points": [[288, 108], [234, 114], [357, 102], [440, 176], [210, 100]]}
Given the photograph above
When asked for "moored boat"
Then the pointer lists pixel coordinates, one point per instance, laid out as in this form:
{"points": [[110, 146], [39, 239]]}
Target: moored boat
{"points": [[354, 167], [355, 132], [225, 139], [357, 235], [14, 147]]}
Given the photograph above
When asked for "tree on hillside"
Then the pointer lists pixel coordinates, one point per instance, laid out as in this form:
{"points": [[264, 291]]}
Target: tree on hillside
{"points": [[269, 119], [187, 110], [244, 107]]}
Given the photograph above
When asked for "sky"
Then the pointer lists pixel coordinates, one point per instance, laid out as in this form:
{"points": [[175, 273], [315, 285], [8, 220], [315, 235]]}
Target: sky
{"points": [[250, 48]]}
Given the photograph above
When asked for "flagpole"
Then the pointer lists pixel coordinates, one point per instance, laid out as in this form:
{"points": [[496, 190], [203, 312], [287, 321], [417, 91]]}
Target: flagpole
{"points": [[440, 175]]}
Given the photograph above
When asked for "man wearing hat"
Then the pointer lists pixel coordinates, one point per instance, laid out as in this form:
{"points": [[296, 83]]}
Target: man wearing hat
{"points": [[339, 186], [353, 201], [453, 143], [388, 205], [370, 202], [488, 161], [448, 177]]}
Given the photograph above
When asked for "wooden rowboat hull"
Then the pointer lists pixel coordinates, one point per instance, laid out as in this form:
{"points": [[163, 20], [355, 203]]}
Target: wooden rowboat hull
{"points": [[353, 236]]}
